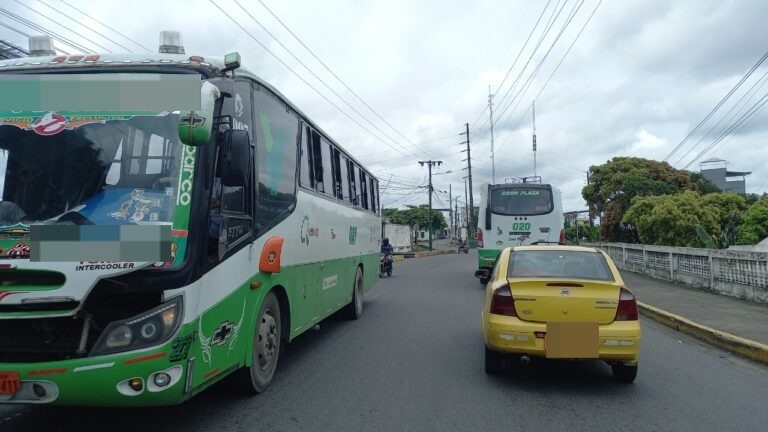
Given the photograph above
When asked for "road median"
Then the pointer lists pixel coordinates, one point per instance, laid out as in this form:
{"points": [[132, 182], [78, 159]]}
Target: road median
{"points": [[726, 341]]}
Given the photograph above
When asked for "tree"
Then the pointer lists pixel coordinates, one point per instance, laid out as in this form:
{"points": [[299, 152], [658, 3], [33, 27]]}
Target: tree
{"points": [[416, 216], [755, 226], [614, 184], [586, 233], [686, 219]]}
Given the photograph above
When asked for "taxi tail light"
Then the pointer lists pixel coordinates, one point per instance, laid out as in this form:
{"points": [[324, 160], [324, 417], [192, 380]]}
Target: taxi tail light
{"points": [[480, 238], [502, 302], [627, 309]]}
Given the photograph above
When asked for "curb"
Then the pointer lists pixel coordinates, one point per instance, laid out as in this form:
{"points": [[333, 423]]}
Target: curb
{"points": [[726, 341], [433, 253]]}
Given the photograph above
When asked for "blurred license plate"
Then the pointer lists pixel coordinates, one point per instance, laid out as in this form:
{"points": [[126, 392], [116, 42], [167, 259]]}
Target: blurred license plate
{"points": [[572, 340], [9, 383]]}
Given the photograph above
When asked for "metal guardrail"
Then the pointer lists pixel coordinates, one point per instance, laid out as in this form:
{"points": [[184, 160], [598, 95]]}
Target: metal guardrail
{"points": [[741, 274]]}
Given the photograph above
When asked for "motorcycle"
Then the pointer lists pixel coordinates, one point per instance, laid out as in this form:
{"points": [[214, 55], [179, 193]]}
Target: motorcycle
{"points": [[385, 265], [463, 247]]}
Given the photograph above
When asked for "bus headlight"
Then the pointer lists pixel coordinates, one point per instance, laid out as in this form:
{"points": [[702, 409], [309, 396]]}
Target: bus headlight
{"points": [[145, 330]]}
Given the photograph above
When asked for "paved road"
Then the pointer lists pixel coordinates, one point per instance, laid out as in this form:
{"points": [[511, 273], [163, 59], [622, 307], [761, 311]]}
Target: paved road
{"points": [[415, 363]]}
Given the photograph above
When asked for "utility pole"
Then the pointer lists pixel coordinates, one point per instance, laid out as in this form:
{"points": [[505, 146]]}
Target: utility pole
{"points": [[471, 223], [450, 208], [430, 163], [466, 201], [534, 138], [456, 218], [493, 154]]}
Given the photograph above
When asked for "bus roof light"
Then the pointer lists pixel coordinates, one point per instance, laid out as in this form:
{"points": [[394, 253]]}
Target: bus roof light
{"points": [[40, 46], [171, 43]]}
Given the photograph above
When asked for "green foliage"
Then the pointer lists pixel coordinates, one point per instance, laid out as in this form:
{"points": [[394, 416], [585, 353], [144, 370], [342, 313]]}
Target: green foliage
{"points": [[614, 184], [586, 234], [755, 226], [416, 216], [686, 219]]}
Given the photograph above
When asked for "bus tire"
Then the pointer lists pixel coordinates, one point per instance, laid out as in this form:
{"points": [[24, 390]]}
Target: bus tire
{"points": [[354, 310], [267, 344]]}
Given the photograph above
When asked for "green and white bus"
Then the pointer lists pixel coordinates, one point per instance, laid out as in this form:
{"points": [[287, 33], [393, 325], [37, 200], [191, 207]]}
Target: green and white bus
{"points": [[521, 212], [273, 227]]}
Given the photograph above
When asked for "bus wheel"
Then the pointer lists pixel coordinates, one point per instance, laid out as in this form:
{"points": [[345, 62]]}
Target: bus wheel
{"points": [[354, 310], [266, 347]]}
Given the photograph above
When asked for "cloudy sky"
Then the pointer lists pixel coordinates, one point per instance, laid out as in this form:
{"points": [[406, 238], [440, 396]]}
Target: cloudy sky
{"points": [[638, 80]]}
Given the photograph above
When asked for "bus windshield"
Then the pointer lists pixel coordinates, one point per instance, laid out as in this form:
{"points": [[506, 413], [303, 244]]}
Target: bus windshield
{"points": [[105, 172], [516, 201]]}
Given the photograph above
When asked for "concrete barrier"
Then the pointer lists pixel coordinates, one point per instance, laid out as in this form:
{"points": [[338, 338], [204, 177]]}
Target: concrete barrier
{"points": [[726, 341]]}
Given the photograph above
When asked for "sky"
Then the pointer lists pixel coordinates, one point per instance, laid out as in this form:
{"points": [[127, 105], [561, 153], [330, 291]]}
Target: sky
{"points": [[637, 81]]}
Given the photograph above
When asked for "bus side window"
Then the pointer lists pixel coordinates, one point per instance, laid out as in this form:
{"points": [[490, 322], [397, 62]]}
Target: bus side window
{"points": [[363, 190], [354, 183], [305, 169], [344, 178], [335, 161], [353, 189], [374, 195], [317, 161], [327, 168], [276, 133]]}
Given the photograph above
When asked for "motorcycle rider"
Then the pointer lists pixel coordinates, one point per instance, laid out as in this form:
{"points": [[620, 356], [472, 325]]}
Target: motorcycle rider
{"points": [[386, 247]]}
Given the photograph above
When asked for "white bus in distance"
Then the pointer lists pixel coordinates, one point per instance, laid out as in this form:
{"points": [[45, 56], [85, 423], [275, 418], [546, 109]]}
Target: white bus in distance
{"points": [[524, 212]]}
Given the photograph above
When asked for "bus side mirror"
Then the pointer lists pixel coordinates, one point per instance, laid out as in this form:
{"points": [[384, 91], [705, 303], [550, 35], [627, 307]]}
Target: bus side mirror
{"points": [[487, 219], [195, 126], [235, 158]]}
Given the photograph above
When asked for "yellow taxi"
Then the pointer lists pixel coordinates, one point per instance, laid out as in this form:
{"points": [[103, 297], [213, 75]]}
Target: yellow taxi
{"points": [[563, 302]]}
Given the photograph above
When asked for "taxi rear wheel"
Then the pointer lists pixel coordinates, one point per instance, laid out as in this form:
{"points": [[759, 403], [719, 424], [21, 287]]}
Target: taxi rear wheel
{"points": [[493, 362], [624, 373]]}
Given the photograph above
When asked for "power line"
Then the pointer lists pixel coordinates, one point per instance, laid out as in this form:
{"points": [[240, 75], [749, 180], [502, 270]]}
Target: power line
{"points": [[14, 29], [299, 76], [555, 15], [42, 29], [583, 27], [94, 19], [719, 104], [317, 77], [739, 103], [509, 71], [530, 34], [82, 24], [524, 88], [553, 18], [334, 74], [757, 107], [66, 28]]}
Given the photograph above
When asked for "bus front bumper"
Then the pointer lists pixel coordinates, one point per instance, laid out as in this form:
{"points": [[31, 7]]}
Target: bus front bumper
{"points": [[138, 378]]}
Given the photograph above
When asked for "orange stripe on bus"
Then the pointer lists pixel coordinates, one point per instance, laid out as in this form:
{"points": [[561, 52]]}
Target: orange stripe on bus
{"points": [[145, 358], [46, 372]]}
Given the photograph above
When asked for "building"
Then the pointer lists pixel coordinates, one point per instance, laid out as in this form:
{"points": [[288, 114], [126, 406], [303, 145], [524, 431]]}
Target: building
{"points": [[716, 171]]}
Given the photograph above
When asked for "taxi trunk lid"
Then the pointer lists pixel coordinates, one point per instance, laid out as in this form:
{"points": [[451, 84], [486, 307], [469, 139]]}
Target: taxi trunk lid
{"points": [[546, 300]]}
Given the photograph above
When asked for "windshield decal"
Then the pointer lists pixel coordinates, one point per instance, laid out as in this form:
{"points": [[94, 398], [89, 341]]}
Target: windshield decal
{"points": [[13, 241], [52, 122], [141, 205]]}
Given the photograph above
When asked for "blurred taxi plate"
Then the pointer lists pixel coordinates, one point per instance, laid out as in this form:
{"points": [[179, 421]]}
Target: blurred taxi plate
{"points": [[572, 340], [9, 383]]}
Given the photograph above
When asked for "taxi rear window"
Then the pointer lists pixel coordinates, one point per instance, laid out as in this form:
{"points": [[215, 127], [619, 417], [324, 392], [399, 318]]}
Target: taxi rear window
{"points": [[559, 264]]}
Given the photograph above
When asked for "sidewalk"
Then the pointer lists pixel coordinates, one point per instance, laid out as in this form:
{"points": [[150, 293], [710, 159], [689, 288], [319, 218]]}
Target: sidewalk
{"points": [[737, 317]]}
